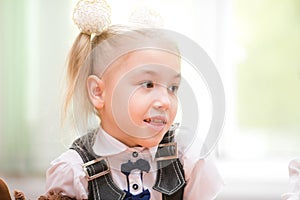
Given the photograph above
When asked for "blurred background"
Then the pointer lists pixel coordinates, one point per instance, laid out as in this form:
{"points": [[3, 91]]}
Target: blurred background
{"points": [[254, 44]]}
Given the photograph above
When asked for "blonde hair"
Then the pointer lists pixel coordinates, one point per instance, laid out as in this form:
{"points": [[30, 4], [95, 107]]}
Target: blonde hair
{"points": [[78, 70], [88, 57]]}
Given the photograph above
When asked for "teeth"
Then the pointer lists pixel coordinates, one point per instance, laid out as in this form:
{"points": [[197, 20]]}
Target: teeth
{"points": [[157, 121], [148, 120]]}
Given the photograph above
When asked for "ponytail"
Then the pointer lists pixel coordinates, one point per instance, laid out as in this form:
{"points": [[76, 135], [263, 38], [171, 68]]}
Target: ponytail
{"points": [[80, 64], [76, 61]]}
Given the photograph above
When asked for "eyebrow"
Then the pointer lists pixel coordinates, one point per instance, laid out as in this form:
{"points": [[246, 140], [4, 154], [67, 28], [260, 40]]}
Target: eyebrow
{"points": [[150, 72]]}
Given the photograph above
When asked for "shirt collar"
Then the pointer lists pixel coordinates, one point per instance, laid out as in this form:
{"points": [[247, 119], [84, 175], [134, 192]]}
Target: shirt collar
{"points": [[106, 145]]}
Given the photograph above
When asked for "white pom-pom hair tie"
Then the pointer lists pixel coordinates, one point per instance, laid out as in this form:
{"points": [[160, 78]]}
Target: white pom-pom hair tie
{"points": [[92, 17], [146, 17]]}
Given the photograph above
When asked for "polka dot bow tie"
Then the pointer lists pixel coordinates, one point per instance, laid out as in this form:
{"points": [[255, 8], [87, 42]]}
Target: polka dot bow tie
{"points": [[145, 195]]}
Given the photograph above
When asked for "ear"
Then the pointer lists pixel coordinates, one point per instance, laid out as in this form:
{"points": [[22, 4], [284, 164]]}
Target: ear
{"points": [[96, 91]]}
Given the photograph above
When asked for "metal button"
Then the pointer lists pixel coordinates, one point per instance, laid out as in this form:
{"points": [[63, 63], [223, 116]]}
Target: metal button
{"points": [[135, 154], [135, 186]]}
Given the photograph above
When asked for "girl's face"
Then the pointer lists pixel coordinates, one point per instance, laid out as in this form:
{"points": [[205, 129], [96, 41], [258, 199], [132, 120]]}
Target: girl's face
{"points": [[139, 95]]}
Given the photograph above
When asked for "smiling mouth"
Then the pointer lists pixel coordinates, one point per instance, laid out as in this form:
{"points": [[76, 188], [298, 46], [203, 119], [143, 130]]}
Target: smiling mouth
{"points": [[155, 121]]}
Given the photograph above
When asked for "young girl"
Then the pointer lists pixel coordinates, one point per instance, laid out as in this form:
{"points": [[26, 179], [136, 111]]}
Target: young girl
{"points": [[127, 79]]}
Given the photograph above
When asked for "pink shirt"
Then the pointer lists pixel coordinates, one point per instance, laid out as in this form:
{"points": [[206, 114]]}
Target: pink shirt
{"points": [[66, 173]]}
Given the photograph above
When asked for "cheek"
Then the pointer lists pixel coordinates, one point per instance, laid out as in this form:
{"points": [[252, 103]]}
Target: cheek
{"points": [[120, 102], [137, 105], [174, 106]]}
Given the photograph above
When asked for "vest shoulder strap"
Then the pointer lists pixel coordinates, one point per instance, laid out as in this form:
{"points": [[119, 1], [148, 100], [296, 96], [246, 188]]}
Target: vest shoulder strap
{"points": [[100, 185], [170, 180]]}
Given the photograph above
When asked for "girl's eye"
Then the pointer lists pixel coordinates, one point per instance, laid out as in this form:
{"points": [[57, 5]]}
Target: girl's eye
{"points": [[173, 89], [148, 84]]}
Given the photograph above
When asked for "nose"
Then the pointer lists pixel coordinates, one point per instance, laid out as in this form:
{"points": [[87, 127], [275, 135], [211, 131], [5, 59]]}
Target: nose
{"points": [[162, 99]]}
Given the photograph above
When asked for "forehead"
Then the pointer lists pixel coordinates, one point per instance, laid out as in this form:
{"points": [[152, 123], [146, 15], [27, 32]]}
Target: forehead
{"points": [[151, 59], [153, 56]]}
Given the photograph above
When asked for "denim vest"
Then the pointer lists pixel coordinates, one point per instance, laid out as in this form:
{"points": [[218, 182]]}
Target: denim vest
{"points": [[170, 179]]}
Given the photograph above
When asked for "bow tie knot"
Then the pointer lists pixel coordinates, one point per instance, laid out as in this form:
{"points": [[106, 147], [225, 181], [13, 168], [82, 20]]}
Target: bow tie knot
{"points": [[140, 164]]}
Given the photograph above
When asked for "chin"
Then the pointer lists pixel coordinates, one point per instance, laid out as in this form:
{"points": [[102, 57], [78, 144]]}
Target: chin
{"points": [[150, 142]]}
